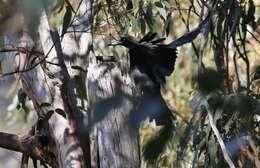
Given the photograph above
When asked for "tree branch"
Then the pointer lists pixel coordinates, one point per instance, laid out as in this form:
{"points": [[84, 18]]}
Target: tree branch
{"points": [[21, 50], [28, 144], [11, 142]]}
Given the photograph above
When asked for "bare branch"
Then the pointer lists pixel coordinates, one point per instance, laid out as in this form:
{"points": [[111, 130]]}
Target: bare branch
{"points": [[25, 160], [11, 142], [20, 49], [26, 144]]}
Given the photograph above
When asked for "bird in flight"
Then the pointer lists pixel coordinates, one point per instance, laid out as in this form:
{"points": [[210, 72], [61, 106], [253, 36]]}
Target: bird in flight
{"points": [[154, 58]]}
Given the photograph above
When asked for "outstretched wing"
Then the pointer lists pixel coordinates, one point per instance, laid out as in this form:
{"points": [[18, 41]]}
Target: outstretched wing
{"points": [[148, 37], [163, 58], [158, 41], [191, 35], [158, 61]]}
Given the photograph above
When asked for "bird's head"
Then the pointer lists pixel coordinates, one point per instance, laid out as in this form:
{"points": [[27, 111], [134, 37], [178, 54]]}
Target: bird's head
{"points": [[128, 42]]}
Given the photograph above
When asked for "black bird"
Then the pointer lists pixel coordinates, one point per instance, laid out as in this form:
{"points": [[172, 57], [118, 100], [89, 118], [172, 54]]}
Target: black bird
{"points": [[153, 58]]}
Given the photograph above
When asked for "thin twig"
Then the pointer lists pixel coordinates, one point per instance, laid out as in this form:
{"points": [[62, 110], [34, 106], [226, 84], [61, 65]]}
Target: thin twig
{"points": [[30, 68], [197, 151], [245, 59], [217, 134], [227, 59], [20, 49], [236, 70], [253, 36]]}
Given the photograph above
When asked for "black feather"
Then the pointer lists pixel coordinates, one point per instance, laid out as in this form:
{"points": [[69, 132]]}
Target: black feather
{"points": [[148, 37], [156, 60], [158, 41]]}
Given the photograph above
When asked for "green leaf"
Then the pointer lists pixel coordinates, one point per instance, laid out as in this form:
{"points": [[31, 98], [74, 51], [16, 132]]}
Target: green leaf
{"points": [[251, 14], [44, 119], [129, 5], [80, 87], [149, 10], [47, 116], [133, 22], [63, 88], [218, 115], [71, 7], [158, 4], [136, 10], [97, 8], [58, 6], [257, 73], [135, 4], [60, 112], [212, 149], [18, 106], [141, 23], [126, 24], [66, 19], [162, 13], [167, 23], [45, 104], [148, 15], [78, 68], [165, 4], [21, 96], [82, 109]]}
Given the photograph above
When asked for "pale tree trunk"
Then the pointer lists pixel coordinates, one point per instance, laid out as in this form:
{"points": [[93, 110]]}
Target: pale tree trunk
{"points": [[48, 78], [57, 137], [57, 142], [114, 137]]}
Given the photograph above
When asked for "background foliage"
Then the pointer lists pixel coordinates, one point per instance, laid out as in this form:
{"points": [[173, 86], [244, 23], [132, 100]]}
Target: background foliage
{"points": [[225, 83]]}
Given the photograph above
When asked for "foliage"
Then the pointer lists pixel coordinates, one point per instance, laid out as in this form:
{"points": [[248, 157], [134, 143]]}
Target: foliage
{"points": [[226, 85]]}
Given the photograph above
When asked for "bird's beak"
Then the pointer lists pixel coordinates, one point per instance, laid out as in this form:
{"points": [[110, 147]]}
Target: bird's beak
{"points": [[115, 42]]}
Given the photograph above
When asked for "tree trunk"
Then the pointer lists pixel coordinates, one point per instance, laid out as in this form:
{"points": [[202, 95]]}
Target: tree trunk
{"points": [[60, 142], [114, 138]]}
